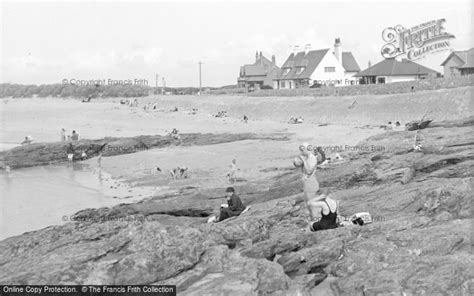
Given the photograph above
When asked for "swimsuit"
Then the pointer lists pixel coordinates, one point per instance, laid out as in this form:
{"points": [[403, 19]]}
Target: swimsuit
{"points": [[327, 221]]}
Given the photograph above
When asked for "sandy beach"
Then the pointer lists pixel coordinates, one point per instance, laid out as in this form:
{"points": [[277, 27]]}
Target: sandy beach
{"points": [[328, 122]]}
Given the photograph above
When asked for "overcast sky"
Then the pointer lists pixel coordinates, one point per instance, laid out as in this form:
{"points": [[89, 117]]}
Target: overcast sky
{"points": [[45, 42]]}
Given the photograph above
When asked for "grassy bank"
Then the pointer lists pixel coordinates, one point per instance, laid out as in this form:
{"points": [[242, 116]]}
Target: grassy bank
{"points": [[376, 89]]}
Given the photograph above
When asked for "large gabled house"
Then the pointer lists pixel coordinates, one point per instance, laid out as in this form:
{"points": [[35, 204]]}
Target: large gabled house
{"points": [[459, 63], [391, 70], [318, 67], [259, 74]]}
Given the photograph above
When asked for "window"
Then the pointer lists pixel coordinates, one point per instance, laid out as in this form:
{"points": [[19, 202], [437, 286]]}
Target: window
{"points": [[329, 69], [286, 71], [282, 84], [381, 80], [299, 70]]}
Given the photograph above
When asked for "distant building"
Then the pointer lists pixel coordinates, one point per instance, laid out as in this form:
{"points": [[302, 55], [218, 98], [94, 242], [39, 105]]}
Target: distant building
{"points": [[320, 67], [258, 74], [390, 70], [459, 63]]}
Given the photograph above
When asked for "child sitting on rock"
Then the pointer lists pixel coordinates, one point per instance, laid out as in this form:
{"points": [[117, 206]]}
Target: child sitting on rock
{"points": [[234, 205]]}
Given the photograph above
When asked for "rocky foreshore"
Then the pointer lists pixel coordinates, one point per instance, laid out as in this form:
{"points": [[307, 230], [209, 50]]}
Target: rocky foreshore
{"points": [[419, 243], [37, 154]]}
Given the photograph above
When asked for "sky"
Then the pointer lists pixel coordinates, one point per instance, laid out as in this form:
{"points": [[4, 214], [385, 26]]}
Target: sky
{"points": [[46, 42]]}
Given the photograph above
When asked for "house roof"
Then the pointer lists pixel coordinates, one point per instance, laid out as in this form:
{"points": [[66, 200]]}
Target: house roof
{"points": [[260, 68], [349, 63], [466, 56], [254, 70], [392, 67], [310, 62]]}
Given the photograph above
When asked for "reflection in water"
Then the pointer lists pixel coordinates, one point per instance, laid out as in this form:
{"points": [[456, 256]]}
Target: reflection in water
{"points": [[78, 166], [99, 175]]}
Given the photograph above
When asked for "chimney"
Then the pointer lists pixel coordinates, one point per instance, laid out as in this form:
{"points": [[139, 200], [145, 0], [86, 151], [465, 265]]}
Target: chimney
{"points": [[338, 49], [273, 60], [370, 64], [307, 48], [256, 56], [296, 49]]}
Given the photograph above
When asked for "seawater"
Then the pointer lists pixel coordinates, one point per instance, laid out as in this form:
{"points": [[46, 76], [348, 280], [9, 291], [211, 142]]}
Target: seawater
{"points": [[33, 198]]}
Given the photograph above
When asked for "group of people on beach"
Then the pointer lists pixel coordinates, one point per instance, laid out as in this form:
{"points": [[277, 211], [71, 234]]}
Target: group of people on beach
{"points": [[150, 106], [180, 172], [129, 102], [323, 210], [73, 137], [296, 120]]}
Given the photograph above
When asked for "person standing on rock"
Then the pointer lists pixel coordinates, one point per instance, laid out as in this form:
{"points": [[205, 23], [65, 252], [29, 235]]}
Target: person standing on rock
{"points": [[308, 162], [234, 205], [75, 136], [63, 135], [231, 175]]}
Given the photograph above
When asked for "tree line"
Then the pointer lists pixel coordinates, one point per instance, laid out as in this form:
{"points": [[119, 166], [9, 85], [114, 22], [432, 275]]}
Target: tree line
{"points": [[69, 90]]}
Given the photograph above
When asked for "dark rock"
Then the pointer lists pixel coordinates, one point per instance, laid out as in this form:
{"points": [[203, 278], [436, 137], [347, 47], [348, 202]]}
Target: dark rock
{"points": [[417, 124], [48, 153], [418, 244]]}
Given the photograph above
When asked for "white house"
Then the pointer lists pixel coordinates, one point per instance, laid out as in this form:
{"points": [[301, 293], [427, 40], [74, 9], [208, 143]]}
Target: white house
{"points": [[390, 70], [318, 67]]}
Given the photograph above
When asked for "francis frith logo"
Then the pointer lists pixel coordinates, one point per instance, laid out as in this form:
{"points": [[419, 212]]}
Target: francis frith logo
{"points": [[416, 42]]}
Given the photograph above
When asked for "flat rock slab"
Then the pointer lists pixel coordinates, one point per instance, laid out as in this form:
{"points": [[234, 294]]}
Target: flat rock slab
{"points": [[48, 153]]}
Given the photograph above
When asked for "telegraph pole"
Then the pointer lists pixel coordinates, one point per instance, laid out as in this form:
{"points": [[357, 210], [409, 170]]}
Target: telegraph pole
{"points": [[200, 78]]}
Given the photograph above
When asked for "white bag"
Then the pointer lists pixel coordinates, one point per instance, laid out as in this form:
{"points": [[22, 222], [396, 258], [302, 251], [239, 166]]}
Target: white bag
{"points": [[212, 219]]}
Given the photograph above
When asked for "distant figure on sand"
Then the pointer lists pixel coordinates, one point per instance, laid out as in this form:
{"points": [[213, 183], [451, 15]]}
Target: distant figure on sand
{"points": [[133, 103], [174, 134], [75, 136], [231, 175], [246, 119], [99, 158], [234, 206], [180, 172], [294, 120], [27, 141], [63, 135], [183, 172], [83, 155]]}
